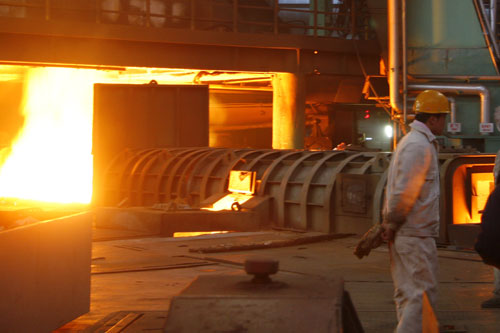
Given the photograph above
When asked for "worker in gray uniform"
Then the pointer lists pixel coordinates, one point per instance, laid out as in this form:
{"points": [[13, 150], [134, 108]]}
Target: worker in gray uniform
{"points": [[411, 211]]}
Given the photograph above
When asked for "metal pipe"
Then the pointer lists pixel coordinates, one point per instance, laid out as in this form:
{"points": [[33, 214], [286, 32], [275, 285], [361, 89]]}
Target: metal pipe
{"points": [[469, 89], [493, 18], [394, 135], [453, 109], [455, 77], [394, 61], [288, 111], [394, 64], [488, 35]]}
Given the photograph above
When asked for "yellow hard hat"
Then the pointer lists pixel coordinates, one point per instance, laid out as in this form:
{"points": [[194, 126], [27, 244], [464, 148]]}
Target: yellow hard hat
{"points": [[431, 101]]}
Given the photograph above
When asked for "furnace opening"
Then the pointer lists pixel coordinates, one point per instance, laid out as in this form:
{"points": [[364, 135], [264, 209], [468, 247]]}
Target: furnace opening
{"points": [[46, 123], [472, 184]]}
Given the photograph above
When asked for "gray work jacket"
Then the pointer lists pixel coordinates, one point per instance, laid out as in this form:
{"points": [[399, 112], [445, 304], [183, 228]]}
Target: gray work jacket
{"points": [[412, 193]]}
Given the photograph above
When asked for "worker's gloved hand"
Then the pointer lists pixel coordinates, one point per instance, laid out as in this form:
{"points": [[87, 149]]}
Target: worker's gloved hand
{"points": [[370, 240]]}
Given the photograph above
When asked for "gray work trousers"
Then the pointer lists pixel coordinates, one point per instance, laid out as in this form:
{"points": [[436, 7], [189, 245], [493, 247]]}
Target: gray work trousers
{"points": [[414, 268]]}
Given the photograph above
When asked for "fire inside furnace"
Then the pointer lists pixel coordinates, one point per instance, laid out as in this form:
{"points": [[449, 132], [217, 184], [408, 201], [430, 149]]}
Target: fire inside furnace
{"points": [[46, 153], [50, 158], [482, 186], [472, 184]]}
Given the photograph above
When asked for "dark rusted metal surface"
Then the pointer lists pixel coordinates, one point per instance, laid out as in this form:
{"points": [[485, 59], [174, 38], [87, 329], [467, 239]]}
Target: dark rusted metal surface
{"points": [[300, 183], [133, 116], [286, 304], [327, 191]]}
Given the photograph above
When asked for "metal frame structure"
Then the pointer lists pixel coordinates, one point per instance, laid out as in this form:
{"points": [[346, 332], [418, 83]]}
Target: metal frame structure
{"points": [[326, 191], [304, 185], [337, 20]]}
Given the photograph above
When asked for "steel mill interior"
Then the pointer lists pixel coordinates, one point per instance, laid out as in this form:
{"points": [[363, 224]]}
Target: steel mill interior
{"points": [[154, 154]]}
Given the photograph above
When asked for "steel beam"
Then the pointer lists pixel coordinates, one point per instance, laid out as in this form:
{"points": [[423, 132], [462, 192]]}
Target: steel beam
{"points": [[115, 45]]}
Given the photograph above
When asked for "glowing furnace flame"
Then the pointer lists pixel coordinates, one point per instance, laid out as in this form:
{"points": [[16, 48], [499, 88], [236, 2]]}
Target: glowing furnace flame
{"points": [[198, 233], [51, 158]]}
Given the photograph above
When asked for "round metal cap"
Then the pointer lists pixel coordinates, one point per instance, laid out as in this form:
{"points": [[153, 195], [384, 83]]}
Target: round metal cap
{"points": [[261, 268]]}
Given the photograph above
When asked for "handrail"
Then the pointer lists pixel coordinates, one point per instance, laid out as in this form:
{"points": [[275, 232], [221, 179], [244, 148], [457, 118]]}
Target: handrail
{"points": [[344, 20]]}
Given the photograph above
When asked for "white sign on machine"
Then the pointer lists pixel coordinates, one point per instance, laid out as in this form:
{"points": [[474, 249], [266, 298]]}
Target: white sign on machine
{"points": [[486, 127], [454, 127]]}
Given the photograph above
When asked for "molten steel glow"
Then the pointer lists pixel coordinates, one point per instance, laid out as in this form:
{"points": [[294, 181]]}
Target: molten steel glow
{"points": [[226, 203], [469, 204], [51, 157], [197, 233]]}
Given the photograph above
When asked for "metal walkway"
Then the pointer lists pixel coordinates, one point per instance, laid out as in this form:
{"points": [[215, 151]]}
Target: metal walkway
{"points": [[208, 34]]}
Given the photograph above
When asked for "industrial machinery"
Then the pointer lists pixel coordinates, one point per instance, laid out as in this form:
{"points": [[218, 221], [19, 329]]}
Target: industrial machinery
{"points": [[164, 152], [327, 191]]}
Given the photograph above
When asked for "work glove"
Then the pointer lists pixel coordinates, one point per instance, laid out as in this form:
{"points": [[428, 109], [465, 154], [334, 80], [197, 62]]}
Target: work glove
{"points": [[370, 240]]}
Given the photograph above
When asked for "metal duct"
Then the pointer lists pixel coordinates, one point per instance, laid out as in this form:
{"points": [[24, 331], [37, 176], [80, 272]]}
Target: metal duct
{"points": [[453, 109], [493, 17], [395, 63], [468, 89], [394, 56]]}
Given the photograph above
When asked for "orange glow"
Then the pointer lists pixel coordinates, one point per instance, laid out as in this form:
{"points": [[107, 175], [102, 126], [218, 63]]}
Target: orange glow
{"points": [[51, 159], [226, 202], [470, 194], [482, 186], [198, 233]]}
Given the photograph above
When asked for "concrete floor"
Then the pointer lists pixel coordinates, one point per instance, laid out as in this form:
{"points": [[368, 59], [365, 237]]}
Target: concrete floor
{"points": [[143, 274]]}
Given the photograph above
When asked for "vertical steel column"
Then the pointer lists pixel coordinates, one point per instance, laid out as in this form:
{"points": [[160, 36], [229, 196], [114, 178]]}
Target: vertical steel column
{"points": [[404, 60], [493, 19], [393, 26], [288, 111]]}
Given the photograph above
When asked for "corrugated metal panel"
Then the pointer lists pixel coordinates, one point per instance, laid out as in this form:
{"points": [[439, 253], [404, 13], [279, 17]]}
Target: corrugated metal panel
{"points": [[302, 183]]}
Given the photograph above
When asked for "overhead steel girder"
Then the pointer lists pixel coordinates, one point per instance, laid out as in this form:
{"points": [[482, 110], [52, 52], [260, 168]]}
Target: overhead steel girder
{"points": [[49, 42]]}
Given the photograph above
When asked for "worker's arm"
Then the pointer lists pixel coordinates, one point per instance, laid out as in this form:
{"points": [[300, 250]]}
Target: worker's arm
{"points": [[410, 171]]}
